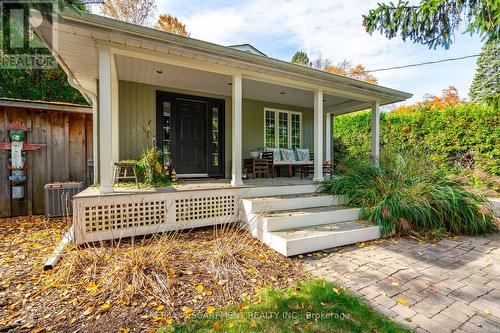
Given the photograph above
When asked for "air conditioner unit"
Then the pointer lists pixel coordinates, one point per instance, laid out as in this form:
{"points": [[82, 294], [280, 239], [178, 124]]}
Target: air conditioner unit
{"points": [[58, 198]]}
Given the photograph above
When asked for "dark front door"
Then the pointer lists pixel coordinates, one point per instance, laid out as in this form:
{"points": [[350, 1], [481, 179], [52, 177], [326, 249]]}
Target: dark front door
{"points": [[190, 136], [190, 132]]}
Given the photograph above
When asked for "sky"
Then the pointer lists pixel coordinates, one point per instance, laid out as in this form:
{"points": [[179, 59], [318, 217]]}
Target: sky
{"points": [[334, 30]]}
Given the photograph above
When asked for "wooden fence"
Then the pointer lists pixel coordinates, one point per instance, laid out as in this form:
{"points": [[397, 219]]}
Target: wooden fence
{"points": [[67, 133]]}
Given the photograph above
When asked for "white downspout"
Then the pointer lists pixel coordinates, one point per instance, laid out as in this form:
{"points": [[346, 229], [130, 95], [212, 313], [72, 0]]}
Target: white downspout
{"points": [[56, 255]]}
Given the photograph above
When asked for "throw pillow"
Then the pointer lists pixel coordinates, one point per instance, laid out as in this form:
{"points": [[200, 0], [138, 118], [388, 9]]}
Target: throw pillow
{"points": [[287, 155], [276, 154], [302, 154]]}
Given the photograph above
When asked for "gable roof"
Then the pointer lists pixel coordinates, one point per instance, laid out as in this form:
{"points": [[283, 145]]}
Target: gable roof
{"points": [[247, 48]]}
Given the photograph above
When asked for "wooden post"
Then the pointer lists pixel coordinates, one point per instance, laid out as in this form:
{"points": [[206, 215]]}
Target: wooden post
{"points": [[29, 159]]}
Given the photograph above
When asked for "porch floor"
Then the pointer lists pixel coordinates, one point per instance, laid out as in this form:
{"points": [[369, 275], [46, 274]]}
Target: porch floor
{"points": [[205, 184]]}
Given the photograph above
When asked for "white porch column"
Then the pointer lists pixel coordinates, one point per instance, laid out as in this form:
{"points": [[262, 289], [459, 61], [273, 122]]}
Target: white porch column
{"points": [[375, 131], [108, 118], [318, 135], [236, 130], [328, 137]]}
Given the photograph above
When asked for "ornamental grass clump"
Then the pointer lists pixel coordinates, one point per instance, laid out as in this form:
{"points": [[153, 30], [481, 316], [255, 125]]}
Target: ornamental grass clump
{"points": [[404, 194]]}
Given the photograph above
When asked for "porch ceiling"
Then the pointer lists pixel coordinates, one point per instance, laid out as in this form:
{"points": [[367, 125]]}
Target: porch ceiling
{"points": [[165, 75]]}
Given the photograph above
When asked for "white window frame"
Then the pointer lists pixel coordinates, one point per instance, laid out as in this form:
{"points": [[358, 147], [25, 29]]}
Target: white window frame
{"points": [[276, 126]]}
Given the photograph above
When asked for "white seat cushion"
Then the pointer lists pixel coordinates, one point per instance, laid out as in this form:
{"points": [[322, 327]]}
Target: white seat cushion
{"points": [[293, 163]]}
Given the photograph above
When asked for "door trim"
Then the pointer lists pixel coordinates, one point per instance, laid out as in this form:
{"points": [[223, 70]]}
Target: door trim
{"points": [[161, 96]]}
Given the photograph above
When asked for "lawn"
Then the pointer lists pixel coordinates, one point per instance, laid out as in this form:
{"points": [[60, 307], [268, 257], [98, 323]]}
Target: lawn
{"points": [[311, 306]]}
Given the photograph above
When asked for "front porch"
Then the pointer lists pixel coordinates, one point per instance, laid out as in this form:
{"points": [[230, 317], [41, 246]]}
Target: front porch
{"points": [[207, 108]]}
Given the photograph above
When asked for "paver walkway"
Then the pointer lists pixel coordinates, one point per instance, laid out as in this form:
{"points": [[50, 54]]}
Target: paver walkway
{"points": [[451, 286]]}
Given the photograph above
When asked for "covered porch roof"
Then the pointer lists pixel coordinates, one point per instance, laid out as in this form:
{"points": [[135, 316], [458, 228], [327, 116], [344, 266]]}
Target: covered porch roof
{"points": [[142, 52]]}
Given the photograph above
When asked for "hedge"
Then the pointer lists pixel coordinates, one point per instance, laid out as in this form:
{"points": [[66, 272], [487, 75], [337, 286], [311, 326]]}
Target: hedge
{"points": [[466, 136]]}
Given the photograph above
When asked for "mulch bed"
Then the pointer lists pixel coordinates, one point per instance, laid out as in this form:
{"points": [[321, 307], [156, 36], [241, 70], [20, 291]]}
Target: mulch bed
{"points": [[129, 287]]}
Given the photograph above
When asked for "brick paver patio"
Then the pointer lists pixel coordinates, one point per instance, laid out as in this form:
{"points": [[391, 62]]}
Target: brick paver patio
{"points": [[451, 286]]}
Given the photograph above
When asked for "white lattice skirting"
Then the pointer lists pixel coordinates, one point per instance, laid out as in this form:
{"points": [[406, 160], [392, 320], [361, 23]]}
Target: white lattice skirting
{"points": [[115, 216]]}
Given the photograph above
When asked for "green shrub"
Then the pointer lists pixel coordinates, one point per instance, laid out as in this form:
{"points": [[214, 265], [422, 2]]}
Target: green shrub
{"points": [[458, 139], [405, 194], [151, 167]]}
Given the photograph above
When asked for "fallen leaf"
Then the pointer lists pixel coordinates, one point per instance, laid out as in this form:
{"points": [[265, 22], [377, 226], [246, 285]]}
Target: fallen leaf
{"points": [[187, 310], [91, 287], [217, 325], [401, 301], [105, 306], [160, 308], [208, 293], [242, 307], [210, 309], [199, 288], [169, 320], [487, 311], [335, 290]]}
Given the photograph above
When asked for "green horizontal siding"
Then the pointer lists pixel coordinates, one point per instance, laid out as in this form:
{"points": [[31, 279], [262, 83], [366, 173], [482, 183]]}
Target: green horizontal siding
{"points": [[137, 107]]}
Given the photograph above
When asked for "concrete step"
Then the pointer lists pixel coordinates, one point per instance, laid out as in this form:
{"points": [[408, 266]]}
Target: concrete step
{"points": [[289, 202], [278, 190], [305, 217], [313, 238], [495, 205]]}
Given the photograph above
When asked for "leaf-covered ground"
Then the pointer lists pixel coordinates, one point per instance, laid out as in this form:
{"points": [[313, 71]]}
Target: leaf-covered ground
{"points": [[129, 287]]}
